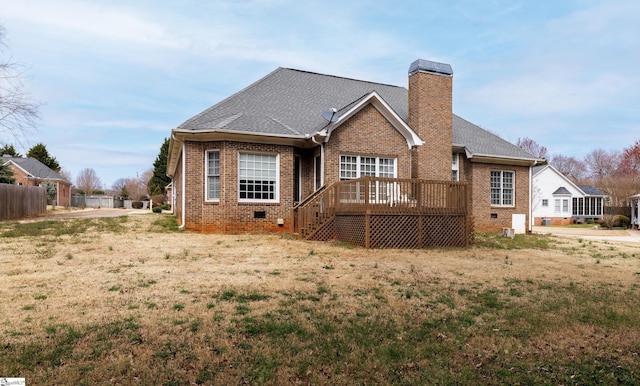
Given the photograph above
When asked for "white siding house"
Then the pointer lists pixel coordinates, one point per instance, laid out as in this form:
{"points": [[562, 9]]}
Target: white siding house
{"points": [[635, 211], [555, 200]]}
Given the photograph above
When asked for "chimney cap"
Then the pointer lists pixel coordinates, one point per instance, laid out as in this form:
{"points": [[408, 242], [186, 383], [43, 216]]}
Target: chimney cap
{"points": [[422, 65]]}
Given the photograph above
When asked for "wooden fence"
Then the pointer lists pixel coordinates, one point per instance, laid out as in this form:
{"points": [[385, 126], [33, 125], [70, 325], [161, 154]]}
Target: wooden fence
{"points": [[22, 201]]}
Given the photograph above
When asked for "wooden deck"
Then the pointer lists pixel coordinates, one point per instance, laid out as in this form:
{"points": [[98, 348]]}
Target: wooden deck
{"points": [[388, 213]]}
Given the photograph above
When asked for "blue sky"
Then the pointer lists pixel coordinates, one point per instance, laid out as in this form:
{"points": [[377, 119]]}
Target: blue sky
{"points": [[116, 76]]}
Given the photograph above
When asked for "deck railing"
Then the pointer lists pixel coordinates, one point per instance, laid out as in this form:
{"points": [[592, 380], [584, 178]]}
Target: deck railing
{"points": [[375, 195]]}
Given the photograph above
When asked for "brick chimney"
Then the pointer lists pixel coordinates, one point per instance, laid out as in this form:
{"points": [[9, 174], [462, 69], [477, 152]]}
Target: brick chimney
{"points": [[430, 116]]}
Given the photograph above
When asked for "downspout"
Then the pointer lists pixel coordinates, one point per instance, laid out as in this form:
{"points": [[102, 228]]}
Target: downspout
{"points": [[313, 139], [184, 179], [530, 199]]}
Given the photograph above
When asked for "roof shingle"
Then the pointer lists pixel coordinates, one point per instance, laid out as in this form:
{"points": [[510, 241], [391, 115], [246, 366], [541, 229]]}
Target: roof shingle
{"points": [[289, 102]]}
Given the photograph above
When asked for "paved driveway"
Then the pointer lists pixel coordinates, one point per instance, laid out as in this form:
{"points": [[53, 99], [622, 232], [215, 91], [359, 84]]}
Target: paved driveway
{"points": [[591, 233]]}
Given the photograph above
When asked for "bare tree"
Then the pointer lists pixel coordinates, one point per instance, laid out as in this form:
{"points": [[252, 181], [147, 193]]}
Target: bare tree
{"points": [[18, 113], [88, 181], [602, 163], [571, 167], [66, 175], [532, 147], [119, 188], [134, 188]]}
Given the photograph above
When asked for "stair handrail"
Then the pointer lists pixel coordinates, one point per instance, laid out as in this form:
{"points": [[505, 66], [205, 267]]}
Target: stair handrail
{"points": [[314, 210]]}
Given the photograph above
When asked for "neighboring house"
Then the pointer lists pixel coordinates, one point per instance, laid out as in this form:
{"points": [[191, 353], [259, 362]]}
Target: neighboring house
{"points": [[558, 201], [31, 172], [635, 210], [243, 164]]}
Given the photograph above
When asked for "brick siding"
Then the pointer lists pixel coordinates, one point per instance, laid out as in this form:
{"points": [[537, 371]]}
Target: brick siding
{"points": [[480, 177], [228, 215], [63, 189], [367, 133], [431, 116]]}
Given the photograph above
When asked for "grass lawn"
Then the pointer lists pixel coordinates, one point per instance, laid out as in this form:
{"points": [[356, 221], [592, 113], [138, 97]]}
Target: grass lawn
{"points": [[132, 300]]}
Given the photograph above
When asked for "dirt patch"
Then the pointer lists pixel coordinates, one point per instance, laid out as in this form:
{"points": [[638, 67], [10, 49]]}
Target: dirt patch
{"points": [[62, 213]]}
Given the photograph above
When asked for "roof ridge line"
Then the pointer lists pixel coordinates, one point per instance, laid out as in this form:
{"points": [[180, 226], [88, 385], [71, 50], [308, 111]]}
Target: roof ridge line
{"points": [[342, 77]]}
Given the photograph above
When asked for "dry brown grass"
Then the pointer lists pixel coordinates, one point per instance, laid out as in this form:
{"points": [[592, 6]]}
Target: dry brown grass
{"points": [[136, 304]]}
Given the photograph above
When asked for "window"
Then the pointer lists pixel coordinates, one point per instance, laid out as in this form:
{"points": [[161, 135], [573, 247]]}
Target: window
{"points": [[561, 205], [212, 188], [588, 206], [502, 188], [454, 168], [352, 166], [348, 167], [545, 203], [258, 177], [387, 167]]}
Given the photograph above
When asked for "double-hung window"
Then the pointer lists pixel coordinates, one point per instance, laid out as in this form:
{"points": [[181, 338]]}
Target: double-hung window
{"points": [[258, 177], [212, 182], [455, 175], [502, 187]]}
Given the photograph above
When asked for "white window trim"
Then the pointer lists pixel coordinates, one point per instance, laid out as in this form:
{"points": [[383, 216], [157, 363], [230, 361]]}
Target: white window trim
{"points": [[455, 162], [513, 194], [358, 165], [276, 198], [206, 174]]}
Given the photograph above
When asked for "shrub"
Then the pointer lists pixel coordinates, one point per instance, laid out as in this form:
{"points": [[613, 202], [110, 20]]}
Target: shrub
{"points": [[607, 221], [158, 199], [157, 209], [622, 221], [137, 205]]}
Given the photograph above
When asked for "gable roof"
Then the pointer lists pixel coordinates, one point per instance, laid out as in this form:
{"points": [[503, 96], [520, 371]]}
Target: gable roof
{"points": [[587, 190], [33, 168], [538, 168], [288, 103], [561, 191]]}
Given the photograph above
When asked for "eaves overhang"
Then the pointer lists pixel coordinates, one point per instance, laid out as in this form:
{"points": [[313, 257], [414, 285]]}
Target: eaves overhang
{"points": [[504, 160], [179, 136]]}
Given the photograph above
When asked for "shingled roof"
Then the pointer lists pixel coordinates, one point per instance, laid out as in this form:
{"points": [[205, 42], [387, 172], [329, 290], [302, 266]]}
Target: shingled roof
{"points": [[34, 168], [590, 190], [290, 103]]}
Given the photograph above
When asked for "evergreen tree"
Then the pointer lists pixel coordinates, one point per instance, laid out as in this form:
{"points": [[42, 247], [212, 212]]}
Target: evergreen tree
{"points": [[40, 153], [52, 192], [160, 179], [6, 175], [9, 150]]}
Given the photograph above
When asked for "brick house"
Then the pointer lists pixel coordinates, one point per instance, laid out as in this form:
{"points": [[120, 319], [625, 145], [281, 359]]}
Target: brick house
{"points": [[31, 172], [243, 164]]}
